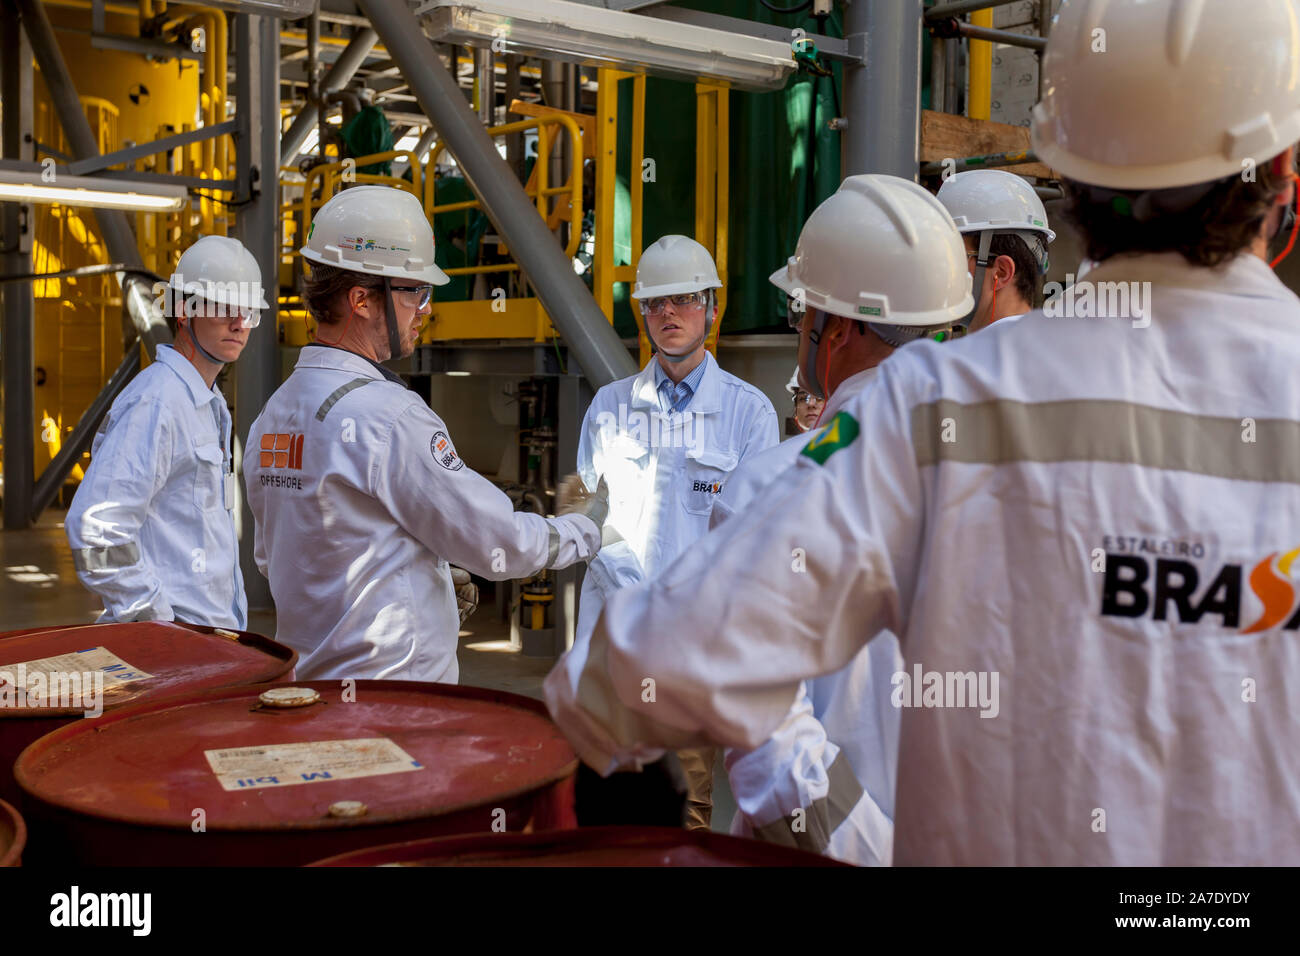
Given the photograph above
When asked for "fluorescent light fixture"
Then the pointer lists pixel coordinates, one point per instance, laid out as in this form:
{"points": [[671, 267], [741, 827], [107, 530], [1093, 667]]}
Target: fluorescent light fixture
{"points": [[595, 37], [96, 192], [279, 9]]}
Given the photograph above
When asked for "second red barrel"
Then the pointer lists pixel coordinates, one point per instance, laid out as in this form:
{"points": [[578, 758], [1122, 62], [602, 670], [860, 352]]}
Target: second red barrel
{"points": [[13, 835], [128, 662], [287, 774]]}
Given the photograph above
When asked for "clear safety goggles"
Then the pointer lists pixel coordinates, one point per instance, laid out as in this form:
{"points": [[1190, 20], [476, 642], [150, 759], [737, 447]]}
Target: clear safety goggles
{"points": [[682, 300], [421, 295], [249, 318], [804, 398]]}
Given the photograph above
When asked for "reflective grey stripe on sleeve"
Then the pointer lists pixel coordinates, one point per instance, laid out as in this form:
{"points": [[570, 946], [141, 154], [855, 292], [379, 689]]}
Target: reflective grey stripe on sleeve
{"points": [[812, 829], [1003, 431], [553, 544], [106, 559], [338, 393]]}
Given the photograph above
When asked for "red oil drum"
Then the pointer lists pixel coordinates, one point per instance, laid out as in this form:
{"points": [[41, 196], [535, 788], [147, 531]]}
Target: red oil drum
{"points": [[284, 774], [13, 836], [137, 662], [589, 846]]}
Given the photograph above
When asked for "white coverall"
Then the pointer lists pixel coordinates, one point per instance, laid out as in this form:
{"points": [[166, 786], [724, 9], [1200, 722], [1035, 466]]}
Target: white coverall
{"points": [[835, 756], [360, 502], [664, 470], [151, 527], [1094, 519]]}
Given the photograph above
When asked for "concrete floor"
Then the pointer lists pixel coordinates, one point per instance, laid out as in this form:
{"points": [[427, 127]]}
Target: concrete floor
{"points": [[39, 586]]}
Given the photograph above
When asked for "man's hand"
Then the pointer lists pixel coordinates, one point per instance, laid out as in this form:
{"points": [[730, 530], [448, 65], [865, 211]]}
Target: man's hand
{"points": [[574, 498], [466, 592]]}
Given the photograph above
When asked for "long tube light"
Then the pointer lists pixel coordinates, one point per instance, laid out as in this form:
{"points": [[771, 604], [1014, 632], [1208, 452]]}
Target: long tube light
{"points": [[91, 191], [595, 36]]}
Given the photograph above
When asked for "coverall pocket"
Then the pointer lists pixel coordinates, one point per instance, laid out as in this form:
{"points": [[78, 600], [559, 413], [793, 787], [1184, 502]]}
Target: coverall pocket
{"points": [[209, 476], [704, 477]]}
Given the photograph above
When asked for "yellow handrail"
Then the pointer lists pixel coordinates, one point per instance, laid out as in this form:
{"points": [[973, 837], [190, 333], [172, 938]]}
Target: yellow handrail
{"points": [[330, 175], [540, 193]]}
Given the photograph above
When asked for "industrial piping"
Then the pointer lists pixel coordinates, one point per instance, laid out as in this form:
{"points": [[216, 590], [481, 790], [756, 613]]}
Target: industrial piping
{"points": [[137, 291], [590, 337], [344, 68]]}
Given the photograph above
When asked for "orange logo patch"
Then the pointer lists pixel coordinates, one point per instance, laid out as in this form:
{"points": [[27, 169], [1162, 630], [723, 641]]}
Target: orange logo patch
{"points": [[282, 451]]}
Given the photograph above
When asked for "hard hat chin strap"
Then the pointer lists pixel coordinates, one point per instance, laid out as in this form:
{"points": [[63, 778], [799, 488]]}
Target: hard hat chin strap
{"points": [[977, 282], [815, 388], [189, 330], [390, 312]]}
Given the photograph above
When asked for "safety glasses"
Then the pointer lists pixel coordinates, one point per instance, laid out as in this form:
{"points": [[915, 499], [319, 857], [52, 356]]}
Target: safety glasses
{"points": [[682, 300], [409, 293]]}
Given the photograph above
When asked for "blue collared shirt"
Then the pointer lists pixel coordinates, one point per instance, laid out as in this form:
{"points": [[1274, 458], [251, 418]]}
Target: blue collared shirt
{"points": [[673, 397], [151, 526]]}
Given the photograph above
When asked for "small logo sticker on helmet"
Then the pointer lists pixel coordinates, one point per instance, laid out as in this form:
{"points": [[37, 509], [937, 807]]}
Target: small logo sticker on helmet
{"points": [[444, 453]]}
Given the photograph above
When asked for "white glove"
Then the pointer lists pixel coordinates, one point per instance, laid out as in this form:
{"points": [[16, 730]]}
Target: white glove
{"points": [[466, 592]]}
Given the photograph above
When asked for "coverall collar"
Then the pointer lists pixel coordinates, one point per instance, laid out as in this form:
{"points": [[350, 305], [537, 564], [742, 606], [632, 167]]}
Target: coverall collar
{"points": [[184, 368], [320, 355], [850, 387], [708, 397]]}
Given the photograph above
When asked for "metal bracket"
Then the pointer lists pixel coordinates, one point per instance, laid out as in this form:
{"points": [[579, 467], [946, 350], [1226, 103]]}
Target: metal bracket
{"points": [[166, 144]]}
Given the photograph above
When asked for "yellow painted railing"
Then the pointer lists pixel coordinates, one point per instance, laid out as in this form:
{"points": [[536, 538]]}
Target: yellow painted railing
{"points": [[562, 211]]}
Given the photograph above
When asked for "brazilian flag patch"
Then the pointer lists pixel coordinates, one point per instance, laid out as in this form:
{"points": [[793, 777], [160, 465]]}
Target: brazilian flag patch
{"points": [[840, 433]]}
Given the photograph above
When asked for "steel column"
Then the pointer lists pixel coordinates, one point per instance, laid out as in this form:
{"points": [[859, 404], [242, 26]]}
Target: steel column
{"points": [[344, 68], [257, 226], [16, 344], [114, 225], [882, 98], [568, 303]]}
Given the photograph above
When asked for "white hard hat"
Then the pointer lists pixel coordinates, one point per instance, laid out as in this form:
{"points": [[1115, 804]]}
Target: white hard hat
{"points": [[674, 265], [984, 199], [1157, 94], [883, 250], [220, 270], [792, 386], [381, 230]]}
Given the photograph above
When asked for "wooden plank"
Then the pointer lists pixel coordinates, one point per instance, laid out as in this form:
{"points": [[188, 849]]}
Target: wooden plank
{"points": [[949, 136]]}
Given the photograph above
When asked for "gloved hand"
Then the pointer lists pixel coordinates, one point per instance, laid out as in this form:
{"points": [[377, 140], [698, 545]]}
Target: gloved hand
{"points": [[574, 498], [466, 592]]}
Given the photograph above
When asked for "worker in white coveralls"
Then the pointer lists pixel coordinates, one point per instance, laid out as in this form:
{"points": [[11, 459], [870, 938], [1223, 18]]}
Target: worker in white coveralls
{"points": [[807, 407], [1004, 226], [152, 525], [1081, 525], [835, 758], [825, 780], [665, 441], [359, 496]]}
